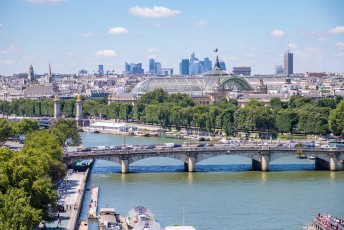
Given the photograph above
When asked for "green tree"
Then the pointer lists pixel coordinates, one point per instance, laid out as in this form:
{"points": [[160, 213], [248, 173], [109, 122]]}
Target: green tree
{"points": [[16, 211], [5, 131], [180, 99], [43, 142], [336, 119], [286, 120], [26, 126], [66, 131]]}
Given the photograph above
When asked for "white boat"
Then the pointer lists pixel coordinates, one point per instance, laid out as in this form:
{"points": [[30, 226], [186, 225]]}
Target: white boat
{"points": [[311, 157], [108, 219], [141, 218]]}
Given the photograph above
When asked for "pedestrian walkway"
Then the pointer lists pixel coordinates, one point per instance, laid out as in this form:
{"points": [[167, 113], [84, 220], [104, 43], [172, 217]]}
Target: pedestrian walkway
{"points": [[70, 194]]}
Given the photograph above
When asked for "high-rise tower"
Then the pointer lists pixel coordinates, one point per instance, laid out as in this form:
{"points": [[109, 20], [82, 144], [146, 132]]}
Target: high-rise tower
{"points": [[288, 63]]}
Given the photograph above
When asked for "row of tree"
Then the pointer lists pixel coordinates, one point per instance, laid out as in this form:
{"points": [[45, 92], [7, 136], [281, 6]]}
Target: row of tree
{"points": [[298, 115], [27, 176]]}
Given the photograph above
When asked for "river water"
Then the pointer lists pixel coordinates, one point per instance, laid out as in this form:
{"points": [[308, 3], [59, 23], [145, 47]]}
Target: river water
{"points": [[224, 193]]}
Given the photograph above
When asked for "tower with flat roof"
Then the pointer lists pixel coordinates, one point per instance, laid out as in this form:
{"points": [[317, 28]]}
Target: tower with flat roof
{"points": [[288, 63]]}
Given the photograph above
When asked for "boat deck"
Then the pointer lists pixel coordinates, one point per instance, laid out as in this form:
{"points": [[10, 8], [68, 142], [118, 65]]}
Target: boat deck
{"points": [[92, 211]]}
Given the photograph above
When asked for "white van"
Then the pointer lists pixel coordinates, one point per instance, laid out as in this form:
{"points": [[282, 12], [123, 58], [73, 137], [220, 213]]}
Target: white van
{"points": [[168, 145]]}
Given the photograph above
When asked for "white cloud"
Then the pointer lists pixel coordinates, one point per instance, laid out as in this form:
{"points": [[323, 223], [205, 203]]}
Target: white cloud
{"points": [[337, 30], [292, 46], [152, 50], [6, 62], [277, 33], [88, 35], [201, 23], [155, 12], [340, 44], [10, 50], [118, 30], [106, 53], [46, 1]]}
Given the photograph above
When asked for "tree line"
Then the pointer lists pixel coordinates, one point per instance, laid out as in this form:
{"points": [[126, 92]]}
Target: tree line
{"points": [[27, 177], [299, 115]]}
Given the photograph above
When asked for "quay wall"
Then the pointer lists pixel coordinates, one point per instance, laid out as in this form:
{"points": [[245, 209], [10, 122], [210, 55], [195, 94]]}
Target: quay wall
{"points": [[73, 223]]}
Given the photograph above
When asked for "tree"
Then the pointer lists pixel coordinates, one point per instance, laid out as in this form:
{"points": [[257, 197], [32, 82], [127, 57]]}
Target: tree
{"points": [[180, 99], [336, 119], [66, 131], [154, 97], [16, 211], [5, 131], [26, 126], [43, 142], [286, 120], [68, 107]]}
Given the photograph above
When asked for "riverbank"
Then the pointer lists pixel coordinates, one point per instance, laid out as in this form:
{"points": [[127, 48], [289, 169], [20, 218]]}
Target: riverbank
{"points": [[71, 193]]}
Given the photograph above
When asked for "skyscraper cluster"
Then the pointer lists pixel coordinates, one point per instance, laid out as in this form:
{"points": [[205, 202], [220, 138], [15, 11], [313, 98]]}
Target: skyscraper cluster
{"points": [[194, 66], [133, 69], [155, 67]]}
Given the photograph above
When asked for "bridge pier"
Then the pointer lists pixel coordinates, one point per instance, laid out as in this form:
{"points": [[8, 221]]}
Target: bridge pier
{"points": [[332, 165], [262, 163], [190, 165], [125, 166]]}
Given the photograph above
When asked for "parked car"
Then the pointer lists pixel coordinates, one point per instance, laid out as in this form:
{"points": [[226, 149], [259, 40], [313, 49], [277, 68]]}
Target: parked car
{"points": [[150, 147]]}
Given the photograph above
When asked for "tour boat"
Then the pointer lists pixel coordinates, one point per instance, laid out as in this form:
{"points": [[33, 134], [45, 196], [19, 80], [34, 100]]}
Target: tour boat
{"points": [[326, 222], [108, 219], [140, 218]]}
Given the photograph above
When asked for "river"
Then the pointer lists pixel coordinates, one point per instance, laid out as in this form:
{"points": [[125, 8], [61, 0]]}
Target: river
{"points": [[224, 193]]}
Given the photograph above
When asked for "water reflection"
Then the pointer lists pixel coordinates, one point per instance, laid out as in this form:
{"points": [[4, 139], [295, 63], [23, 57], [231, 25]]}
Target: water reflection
{"points": [[332, 175], [190, 177], [263, 177]]}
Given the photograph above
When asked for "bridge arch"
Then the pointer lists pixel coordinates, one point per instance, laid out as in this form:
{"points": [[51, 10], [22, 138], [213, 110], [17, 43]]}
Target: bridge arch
{"points": [[114, 159], [274, 156], [181, 157], [204, 156]]}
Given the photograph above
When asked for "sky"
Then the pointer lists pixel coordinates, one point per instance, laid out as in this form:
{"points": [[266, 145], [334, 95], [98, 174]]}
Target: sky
{"points": [[81, 34]]}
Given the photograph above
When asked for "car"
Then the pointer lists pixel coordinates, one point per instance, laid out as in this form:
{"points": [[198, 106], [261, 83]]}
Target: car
{"points": [[177, 145], [200, 145], [150, 147], [279, 145]]}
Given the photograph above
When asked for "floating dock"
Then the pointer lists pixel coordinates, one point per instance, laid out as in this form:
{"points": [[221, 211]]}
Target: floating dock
{"points": [[92, 211]]}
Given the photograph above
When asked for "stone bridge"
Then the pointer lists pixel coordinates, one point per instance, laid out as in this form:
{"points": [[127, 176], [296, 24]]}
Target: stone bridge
{"points": [[331, 159]]}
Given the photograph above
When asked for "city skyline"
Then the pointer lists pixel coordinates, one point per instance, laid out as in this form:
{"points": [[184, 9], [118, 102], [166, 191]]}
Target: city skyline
{"points": [[72, 34]]}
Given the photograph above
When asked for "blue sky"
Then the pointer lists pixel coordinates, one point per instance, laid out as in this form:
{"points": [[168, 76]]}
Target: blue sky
{"points": [[80, 34]]}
